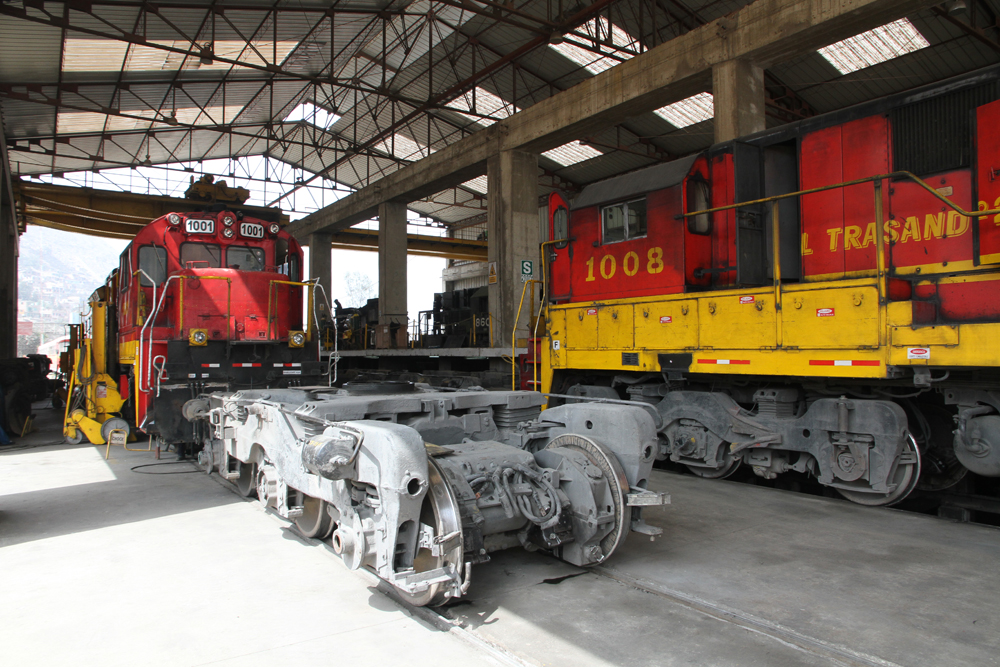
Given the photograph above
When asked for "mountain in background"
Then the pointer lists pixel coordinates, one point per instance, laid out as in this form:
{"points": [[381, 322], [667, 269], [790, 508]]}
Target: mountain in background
{"points": [[58, 271]]}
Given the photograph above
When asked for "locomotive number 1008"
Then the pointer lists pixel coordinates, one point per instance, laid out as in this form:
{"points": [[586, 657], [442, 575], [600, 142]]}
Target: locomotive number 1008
{"points": [[631, 264]]}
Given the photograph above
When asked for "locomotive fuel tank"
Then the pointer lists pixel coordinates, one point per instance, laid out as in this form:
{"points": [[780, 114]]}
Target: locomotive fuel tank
{"points": [[418, 485]]}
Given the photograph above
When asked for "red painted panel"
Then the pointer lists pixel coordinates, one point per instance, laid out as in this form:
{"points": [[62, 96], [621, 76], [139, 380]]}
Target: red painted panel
{"points": [[698, 247], [821, 163], [969, 302], [641, 267], [865, 149], [988, 179], [925, 231], [559, 268], [723, 222]]}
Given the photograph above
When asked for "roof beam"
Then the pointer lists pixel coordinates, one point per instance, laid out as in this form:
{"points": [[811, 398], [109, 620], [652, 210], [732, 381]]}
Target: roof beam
{"points": [[766, 31]]}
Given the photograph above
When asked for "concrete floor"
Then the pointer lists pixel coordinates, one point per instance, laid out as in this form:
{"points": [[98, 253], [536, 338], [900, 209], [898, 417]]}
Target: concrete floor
{"points": [[103, 563]]}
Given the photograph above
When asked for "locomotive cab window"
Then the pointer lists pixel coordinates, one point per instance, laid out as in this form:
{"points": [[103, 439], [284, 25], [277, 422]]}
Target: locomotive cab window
{"points": [[560, 226], [201, 256], [698, 200], [245, 258], [152, 263], [124, 271], [624, 221]]}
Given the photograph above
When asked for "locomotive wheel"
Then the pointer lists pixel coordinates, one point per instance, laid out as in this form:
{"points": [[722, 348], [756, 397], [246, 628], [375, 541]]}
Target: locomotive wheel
{"points": [[603, 458], [728, 467], [440, 510], [315, 521], [247, 481], [905, 478], [941, 468]]}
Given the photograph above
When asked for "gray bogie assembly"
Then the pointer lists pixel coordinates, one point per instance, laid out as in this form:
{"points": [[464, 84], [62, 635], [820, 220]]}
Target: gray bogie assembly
{"points": [[860, 447], [418, 485]]}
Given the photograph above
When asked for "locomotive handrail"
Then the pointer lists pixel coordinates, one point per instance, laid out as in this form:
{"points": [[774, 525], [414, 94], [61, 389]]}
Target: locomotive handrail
{"points": [[142, 332], [543, 304], [513, 335], [309, 304], [881, 177], [138, 291]]}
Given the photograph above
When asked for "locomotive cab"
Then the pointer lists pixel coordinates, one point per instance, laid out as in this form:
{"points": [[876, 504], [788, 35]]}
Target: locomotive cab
{"points": [[206, 301]]}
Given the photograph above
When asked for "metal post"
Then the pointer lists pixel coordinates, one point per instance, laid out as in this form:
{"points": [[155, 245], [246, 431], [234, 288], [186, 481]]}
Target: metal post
{"points": [[776, 270]]}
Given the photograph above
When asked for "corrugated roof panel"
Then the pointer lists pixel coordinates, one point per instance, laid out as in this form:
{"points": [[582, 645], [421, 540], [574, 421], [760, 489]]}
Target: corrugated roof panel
{"points": [[30, 52]]}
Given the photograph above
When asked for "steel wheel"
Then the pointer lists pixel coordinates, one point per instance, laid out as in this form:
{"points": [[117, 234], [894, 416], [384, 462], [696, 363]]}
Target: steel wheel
{"points": [[440, 510], [603, 458], [905, 478], [247, 481], [728, 467], [315, 521]]}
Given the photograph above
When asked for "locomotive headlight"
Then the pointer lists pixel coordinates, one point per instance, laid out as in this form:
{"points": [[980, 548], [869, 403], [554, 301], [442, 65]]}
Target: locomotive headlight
{"points": [[296, 339], [198, 337], [275, 228], [174, 219], [228, 232], [228, 220]]}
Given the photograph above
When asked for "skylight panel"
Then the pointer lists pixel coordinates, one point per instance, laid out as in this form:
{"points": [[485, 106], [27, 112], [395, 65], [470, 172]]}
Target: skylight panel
{"points": [[477, 184], [85, 121], [483, 103], [694, 109], [875, 46], [601, 33], [312, 114], [403, 147], [107, 55], [572, 153]]}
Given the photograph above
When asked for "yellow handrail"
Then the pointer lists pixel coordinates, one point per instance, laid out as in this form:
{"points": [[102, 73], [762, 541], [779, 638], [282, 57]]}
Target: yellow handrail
{"points": [[881, 177], [513, 336], [309, 304]]}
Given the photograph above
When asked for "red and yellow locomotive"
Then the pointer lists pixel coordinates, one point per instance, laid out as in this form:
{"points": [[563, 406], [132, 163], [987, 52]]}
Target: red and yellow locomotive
{"points": [[200, 302], [821, 297]]}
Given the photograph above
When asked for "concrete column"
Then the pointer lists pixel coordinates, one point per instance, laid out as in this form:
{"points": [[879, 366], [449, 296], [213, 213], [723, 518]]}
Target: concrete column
{"points": [[514, 236], [392, 263], [738, 88], [8, 285], [320, 267]]}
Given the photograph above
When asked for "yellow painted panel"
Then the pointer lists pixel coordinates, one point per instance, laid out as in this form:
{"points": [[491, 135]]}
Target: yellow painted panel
{"points": [[614, 327], [900, 313], [666, 325], [924, 336], [830, 318], [799, 363], [978, 348], [553, 351], [737, 321], [581, 328], [126, 352]]}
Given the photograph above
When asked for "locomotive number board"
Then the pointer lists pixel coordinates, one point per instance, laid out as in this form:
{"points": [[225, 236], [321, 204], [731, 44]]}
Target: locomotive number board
{"points": [[196, 226], [251, 230]]}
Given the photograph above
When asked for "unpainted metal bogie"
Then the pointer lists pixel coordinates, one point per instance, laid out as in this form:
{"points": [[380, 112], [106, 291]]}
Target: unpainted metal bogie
{"points": [[417, 485]]}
